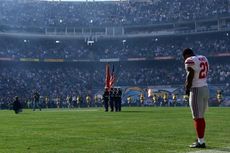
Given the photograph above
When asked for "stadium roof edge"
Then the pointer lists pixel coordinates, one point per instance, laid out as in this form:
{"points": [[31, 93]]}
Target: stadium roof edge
{"points": [[24, 1], [100, 0]]}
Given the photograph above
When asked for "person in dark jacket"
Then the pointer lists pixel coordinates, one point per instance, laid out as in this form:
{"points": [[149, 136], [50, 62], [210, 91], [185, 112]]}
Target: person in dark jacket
{"points": [[112, 99], [106, 99], [119, 99], [17, 107], [115, 93], [36, 101]]}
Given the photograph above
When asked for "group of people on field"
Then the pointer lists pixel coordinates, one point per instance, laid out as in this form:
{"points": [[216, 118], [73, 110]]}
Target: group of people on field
{"points": [[112, 98]]}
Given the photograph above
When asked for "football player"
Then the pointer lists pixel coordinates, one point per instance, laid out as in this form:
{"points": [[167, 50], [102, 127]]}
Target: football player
{"points": [[196, 86]]}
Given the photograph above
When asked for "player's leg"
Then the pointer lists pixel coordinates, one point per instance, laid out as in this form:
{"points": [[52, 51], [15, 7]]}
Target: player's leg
{"points": [[39, 105], [203, 98], [116, 105], [193, 102], [203, 95], [111, 103], [119, 104], [106, 105], [196, 105]]}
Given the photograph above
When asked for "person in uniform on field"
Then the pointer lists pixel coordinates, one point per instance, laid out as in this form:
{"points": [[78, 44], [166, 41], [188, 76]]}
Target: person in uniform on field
{"points": [[47, 101], [129, 100], [88, 100], [78, 101], [219, 97], [17, 106], [119, 99], [74, 101], [196, 88], [142, 99], [69, 101], [111, 99], [106, 99], [116, 98], [165, 99], [36, 101], [28, 103], [96, 101], [154, 99], [174, 98], [186, 100], [58, 102]]}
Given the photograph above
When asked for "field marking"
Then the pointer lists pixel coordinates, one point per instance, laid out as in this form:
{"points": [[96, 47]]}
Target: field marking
{"points": [[217, 150]]}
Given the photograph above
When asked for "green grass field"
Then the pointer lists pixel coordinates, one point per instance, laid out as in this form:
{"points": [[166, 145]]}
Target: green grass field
{"points": [[134, 130]]}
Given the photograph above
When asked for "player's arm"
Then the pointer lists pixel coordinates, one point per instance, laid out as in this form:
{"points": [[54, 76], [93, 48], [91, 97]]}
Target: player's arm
{"points": [[189, 79]]}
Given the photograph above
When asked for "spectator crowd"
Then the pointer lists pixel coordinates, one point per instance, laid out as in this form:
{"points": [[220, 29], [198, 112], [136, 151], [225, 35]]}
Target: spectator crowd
{"points": [[78, 14], [61, 80], [148, 47]]}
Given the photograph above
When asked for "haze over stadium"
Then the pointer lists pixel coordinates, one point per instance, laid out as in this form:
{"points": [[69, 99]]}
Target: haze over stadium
{"points": [[124, 33], [59, 50]]}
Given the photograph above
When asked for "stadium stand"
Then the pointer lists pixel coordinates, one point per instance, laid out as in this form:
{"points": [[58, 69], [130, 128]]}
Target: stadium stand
{"points": [[43, 13], [69, 49], [59, 80], [58, 66]]}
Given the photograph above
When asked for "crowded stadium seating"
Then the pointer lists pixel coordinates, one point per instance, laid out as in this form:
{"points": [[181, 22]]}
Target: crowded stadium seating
{"points": [[69, 49], [68, 14], [59, 66], [60, 79]]}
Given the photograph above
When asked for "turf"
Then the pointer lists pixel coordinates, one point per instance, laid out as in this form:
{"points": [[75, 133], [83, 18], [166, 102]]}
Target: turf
{"points": [[134, 130]]}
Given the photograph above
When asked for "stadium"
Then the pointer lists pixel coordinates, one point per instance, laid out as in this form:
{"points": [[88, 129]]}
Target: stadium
{"points": [[62, 50]]}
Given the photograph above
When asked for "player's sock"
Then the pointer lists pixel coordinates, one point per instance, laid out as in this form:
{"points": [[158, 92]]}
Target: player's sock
{"points": [[200, 140], [200, 129], [196, 127]]}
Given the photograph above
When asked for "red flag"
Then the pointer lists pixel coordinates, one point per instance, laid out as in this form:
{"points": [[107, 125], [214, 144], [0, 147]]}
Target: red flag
{"points": [[112, 78], [107, 77]]}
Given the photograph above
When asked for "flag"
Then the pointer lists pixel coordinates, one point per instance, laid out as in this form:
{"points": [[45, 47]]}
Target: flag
{"points": [[107, 77], [112, 77]]}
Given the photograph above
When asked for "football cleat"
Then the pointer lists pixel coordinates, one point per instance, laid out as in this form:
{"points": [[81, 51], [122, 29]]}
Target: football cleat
{"points": [[196, 141], [197, 145]]}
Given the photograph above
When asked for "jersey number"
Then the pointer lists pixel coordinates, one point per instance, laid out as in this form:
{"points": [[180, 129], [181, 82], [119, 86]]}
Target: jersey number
{"points": [[204, 70]]}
